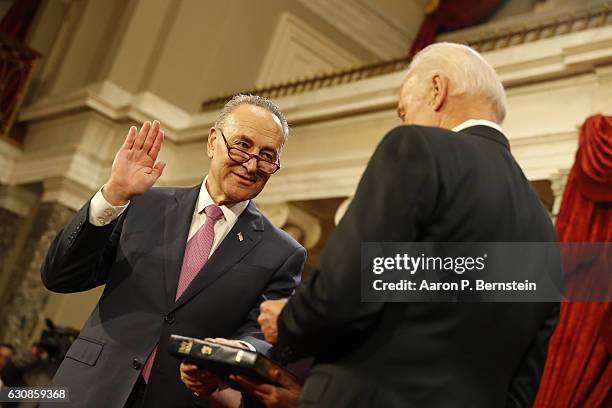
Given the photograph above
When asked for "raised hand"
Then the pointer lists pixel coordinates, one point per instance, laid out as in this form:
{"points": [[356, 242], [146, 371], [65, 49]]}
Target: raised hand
{"points": [[135, 169]]}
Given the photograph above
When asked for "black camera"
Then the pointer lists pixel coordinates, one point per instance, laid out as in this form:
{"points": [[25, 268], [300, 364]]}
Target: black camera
{"points": [[56, 341]]}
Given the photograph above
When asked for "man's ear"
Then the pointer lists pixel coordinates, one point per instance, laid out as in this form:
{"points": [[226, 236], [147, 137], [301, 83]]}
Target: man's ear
{"points": [[439, 93], [210, 144]]}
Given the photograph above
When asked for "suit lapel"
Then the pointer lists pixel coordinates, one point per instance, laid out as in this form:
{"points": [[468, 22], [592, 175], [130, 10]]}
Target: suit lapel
{"points": [[177, 221], [228, 253]]}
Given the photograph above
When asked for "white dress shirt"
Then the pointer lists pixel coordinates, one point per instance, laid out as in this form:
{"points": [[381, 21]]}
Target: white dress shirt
{"points": [[101, 213], [477, 122]]}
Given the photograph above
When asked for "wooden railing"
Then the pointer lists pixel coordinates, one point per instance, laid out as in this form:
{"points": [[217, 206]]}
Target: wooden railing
{"points": [[16, 65], [596, 17], [574, 22], [316, 82]]}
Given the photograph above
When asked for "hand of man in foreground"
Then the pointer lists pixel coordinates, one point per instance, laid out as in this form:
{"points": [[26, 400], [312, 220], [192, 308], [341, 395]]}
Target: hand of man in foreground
{"points": [[268, 317], [197, 380], [201, 381], [284, 396]]}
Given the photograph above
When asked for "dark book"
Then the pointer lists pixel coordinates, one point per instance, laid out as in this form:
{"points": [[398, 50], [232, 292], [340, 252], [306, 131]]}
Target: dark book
{"points": [[224, 360]]}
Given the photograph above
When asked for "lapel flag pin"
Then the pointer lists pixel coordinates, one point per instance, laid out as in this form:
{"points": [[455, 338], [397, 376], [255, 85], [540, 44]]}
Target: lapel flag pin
{"points": [[240, 238]]}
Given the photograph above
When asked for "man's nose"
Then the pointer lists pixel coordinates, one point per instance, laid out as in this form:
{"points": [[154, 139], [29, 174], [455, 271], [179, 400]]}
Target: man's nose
{"points": [[251, 165]]}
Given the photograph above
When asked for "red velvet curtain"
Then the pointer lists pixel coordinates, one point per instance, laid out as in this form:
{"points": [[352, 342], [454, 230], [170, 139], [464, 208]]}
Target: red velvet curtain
{"points": [[17, 21], [451, 15], [578, 369]]}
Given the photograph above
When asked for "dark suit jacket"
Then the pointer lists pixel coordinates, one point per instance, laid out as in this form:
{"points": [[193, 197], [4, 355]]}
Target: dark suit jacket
{"points": [[430, 185], [139, 257]]}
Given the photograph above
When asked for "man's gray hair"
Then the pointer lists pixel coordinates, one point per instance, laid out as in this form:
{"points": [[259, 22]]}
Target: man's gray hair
{"points": [[255, 100], [467, 71]]}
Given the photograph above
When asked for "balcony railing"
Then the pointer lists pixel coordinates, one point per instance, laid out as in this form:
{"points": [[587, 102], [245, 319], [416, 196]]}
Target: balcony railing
{"points": [[16, 64], [574, 22]]}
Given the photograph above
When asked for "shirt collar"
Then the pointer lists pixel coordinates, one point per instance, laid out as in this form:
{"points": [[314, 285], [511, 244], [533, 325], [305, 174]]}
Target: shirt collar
{"points": [[477, 122], [230, 212]]}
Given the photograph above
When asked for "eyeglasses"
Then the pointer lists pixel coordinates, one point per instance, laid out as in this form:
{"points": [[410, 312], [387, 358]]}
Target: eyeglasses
{"points": [[240, 156]]}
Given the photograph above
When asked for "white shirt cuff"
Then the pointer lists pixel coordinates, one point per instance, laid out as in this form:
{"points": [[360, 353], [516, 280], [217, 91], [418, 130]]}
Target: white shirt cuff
{"points": [[249, 345], [101, 212]]}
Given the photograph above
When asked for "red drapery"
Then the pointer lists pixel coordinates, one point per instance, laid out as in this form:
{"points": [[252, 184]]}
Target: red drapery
{"points": [[578, 369], [17, 21], [451, 15], [15, 60]]}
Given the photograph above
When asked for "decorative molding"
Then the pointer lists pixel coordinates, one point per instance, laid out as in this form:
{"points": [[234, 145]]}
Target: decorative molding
{"points": [[9, 154], [17, 200], [568, 74], [542, 17], [552, 58], [115, 103], [542, 156], [66, 192], [570, 22], [298, 51], [368, 23]]}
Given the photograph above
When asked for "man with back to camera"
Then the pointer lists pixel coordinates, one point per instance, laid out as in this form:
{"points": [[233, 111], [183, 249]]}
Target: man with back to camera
{"points": [[193, 261], [447, 177]]}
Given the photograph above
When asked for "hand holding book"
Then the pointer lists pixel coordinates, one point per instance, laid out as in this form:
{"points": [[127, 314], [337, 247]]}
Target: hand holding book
{"points": [[284, 396], [221, 360]]}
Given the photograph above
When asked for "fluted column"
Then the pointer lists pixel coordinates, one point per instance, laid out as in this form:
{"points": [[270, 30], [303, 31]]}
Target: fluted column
{"points": [[28, 296], [9, 227], [557, 184], [16, 205]]}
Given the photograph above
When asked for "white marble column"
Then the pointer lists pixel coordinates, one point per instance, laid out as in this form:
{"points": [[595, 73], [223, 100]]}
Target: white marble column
{"points": [[557, 184]]}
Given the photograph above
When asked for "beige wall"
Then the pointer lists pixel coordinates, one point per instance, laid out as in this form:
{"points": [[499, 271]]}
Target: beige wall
{"points": [[184, 51]]}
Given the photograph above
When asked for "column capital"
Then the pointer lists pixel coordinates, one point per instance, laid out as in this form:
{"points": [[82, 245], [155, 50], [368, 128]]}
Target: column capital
{"points": [[17, 199], [66, 191], [301, 225], [558, 181]]}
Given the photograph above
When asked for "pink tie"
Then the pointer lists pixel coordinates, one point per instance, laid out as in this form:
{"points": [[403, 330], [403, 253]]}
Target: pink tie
{"points": [[196, 254]]}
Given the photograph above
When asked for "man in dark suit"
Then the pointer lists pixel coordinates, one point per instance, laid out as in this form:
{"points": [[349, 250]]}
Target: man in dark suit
{"points": [[193, 261], [448, 176]]}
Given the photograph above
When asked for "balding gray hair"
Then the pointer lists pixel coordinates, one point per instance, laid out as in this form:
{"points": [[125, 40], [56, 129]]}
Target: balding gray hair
{"points": [[467, 71], [255, 100]]}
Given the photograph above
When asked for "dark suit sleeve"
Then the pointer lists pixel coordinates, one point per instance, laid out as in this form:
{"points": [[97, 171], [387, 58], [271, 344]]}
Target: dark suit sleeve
{"points": [[393, 201], [282, 285], [524, 385], [81, 254]]}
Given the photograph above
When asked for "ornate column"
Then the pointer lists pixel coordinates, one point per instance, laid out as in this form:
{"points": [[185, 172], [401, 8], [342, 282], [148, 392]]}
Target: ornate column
{"points": [[16, 203], [28, 296], [9, 227], [302, 226], [557, 185]]}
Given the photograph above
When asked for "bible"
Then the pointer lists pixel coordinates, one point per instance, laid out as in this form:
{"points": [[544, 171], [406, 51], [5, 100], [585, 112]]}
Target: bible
{"points": [[224, 360]]}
